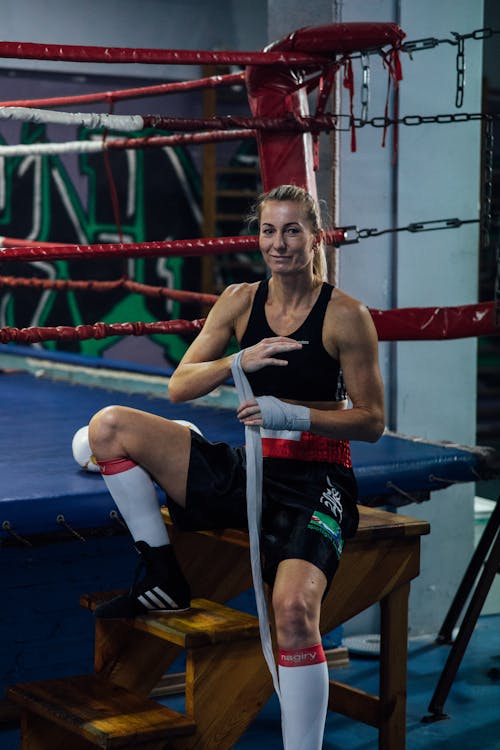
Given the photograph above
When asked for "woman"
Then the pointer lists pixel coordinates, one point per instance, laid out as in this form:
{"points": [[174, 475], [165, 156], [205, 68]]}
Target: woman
{"points": [[307, 344]]}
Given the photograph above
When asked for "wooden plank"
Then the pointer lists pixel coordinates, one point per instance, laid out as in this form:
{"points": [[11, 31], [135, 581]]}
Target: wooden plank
{"points": [[206, 622], [367, 573], [100, 712], [374, 523], [133, 659], [354, 703], [225, 690], [39, 733], [393, 669]]}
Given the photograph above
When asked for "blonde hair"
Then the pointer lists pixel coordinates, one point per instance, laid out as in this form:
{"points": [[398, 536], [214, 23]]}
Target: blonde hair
{"points": [[311, 212]]}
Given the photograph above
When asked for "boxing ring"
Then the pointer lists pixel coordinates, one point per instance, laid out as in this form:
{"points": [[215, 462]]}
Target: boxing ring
{"points": [[46, 497], [47, 493]]}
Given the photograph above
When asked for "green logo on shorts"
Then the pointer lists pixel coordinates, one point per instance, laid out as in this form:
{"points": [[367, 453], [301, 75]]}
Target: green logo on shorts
{"points": [[329, 528]]}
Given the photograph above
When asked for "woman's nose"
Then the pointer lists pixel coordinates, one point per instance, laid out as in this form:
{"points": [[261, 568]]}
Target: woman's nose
{"points": [[279, 241]]}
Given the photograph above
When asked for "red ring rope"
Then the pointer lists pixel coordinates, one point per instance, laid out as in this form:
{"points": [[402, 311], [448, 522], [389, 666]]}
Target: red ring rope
{"points": [[408, 324], [88, 54], [26, 250], [403, 324], [93, 285], [230, 79]]}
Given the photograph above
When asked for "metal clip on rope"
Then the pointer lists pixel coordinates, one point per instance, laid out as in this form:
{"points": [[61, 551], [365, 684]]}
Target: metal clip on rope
{"points": [[118, 519], [6, 526], [62, 521]]}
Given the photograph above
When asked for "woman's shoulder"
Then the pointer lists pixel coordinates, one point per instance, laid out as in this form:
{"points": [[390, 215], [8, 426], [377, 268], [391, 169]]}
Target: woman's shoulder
{"points": [[347, 311], [342, 303], [236, 299]]}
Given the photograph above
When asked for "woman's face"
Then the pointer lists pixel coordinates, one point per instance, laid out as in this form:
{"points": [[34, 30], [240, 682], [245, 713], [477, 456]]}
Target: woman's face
{"points": [[286, 239]]}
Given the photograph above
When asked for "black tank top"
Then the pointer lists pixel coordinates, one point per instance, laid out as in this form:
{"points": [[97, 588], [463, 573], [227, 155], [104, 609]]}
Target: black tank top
{"points": [[311, 374]]}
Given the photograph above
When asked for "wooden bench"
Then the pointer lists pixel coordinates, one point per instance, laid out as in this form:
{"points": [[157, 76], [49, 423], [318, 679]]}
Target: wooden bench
{"points": [[227, 680]]}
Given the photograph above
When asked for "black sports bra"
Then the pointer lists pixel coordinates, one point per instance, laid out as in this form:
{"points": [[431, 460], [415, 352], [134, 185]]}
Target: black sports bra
{"points": [[311, 374]]}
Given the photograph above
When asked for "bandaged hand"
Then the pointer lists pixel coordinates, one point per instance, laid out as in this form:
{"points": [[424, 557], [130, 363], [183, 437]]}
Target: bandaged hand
{"points": [[278, 415]]}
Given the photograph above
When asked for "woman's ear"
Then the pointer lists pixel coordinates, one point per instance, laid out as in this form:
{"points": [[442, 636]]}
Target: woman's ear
{"points": [[320, 236]]}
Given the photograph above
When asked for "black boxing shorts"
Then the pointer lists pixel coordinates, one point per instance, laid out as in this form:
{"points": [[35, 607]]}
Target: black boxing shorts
{"points": [[308, 508]]}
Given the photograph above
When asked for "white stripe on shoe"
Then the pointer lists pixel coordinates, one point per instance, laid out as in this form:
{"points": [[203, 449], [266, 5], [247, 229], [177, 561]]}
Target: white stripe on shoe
{"points": [[157, 599]]}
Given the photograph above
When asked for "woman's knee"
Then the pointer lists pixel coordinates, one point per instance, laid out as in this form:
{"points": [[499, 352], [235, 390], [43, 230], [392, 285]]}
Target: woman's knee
{"points": [[294, 615], [104, 428]]}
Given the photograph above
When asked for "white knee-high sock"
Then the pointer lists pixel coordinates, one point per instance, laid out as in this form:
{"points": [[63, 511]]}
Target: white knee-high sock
{"points": [[304, 687], [135, 496]]}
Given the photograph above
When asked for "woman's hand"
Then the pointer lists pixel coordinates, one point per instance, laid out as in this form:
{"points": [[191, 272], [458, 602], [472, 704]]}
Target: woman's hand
{"points": [[264, 353], [273, 414], [249, 413]]}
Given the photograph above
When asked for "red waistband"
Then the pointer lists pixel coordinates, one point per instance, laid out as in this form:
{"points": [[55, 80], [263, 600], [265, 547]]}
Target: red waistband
{"points": [[309, 448]]}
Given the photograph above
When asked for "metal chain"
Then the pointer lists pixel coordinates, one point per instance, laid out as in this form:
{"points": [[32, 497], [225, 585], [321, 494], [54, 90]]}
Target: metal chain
{"points": [[417, 45], [409, 120], [444, 119], [429, 42], [460, 66], [352, 234], [365, 86], [458, 40]]}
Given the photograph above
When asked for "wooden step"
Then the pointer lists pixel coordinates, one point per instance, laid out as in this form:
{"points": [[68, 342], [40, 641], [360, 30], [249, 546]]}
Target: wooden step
{"points": [[86, 710], [205, 623], [224, 660]]}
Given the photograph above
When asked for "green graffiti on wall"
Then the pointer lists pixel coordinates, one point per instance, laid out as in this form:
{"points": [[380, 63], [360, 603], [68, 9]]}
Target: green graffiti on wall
{"points": [[69, 199]]}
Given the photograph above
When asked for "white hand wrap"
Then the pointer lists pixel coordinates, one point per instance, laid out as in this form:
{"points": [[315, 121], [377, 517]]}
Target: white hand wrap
{"points": [[278, 415], [254, 513]]}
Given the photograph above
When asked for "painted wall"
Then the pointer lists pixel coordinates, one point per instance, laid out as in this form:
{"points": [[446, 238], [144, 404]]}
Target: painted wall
{"points": [[68, 198]]}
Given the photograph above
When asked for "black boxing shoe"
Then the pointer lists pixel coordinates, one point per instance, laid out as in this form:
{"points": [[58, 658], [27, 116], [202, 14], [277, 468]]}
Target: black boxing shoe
{"points": [[161, 589]]}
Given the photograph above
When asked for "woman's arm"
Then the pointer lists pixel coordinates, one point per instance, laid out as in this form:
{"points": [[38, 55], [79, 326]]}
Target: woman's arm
{"points": [[205, 365], [353, 339]]}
